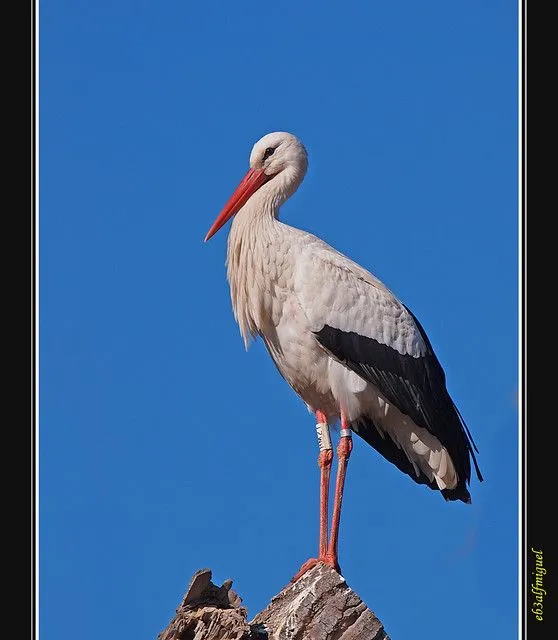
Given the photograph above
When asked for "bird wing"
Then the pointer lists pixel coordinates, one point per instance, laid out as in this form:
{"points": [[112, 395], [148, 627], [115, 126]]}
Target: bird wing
{"points": [[356, 319], [337, 293]]}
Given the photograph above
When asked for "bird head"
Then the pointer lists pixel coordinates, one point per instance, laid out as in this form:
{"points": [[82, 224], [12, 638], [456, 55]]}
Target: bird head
{"points": [[279, 158]]}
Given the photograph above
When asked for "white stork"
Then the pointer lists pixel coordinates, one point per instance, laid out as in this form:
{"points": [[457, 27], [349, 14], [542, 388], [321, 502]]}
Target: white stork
{"points": [[346, 345]]}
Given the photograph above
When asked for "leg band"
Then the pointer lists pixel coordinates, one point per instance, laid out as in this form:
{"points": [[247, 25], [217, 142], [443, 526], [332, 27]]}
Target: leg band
{"points": [[324, 441]]}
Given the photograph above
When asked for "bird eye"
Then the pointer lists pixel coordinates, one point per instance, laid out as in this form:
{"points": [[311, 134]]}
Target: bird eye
{"points": [[268, 152]]}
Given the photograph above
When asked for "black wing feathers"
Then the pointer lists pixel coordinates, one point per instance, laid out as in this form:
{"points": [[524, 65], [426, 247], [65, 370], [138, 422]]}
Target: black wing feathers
{"points": [[417, 386]]}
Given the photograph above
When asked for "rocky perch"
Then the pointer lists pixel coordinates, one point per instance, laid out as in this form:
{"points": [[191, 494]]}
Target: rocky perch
{"points": [[319, 606]]}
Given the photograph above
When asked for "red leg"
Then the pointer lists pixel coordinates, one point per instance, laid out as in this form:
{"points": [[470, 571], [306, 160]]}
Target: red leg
{"points": [[324, 461], [343, 453]]}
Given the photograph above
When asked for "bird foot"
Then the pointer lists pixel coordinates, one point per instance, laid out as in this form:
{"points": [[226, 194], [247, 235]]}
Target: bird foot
{"points": [[310, 564]]}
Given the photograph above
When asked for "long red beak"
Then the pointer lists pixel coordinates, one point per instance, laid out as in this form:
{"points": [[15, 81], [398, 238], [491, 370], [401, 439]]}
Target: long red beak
{"points": [[251, 182]]}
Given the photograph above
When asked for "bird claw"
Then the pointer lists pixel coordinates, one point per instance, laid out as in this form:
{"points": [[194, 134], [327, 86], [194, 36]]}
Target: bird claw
{"points": [[312, 562]]}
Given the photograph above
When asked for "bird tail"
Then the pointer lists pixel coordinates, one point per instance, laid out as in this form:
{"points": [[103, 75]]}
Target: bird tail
{"points": [[387, 447]]}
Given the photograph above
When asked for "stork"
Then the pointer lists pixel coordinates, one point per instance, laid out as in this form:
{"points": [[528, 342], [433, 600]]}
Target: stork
{"points": [[342, 340]]}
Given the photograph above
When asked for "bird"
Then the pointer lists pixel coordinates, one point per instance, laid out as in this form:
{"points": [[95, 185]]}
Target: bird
{"points": [[347, 346]]}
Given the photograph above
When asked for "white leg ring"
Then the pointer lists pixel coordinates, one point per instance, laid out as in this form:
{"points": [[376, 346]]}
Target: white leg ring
{"points": [[324, 440]]}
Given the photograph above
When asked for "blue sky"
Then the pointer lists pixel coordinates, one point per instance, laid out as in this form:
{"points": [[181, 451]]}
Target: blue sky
{"points": [[164, 447]]}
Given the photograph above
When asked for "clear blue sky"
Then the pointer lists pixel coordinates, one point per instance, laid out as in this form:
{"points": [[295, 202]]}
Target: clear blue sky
{"points": [[164, 446]]}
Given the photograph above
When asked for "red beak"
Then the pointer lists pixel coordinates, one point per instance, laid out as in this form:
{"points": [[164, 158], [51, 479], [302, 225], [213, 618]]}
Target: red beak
{"points": [[251, 182]]}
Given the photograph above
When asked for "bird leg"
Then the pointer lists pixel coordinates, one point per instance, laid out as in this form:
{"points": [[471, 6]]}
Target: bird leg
{"points": [[343, 453], [324, 462], [325, 459]]}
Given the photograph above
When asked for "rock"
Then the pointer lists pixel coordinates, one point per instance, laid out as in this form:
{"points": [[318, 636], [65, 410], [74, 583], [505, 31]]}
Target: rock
{"points": [[319, 606]]}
